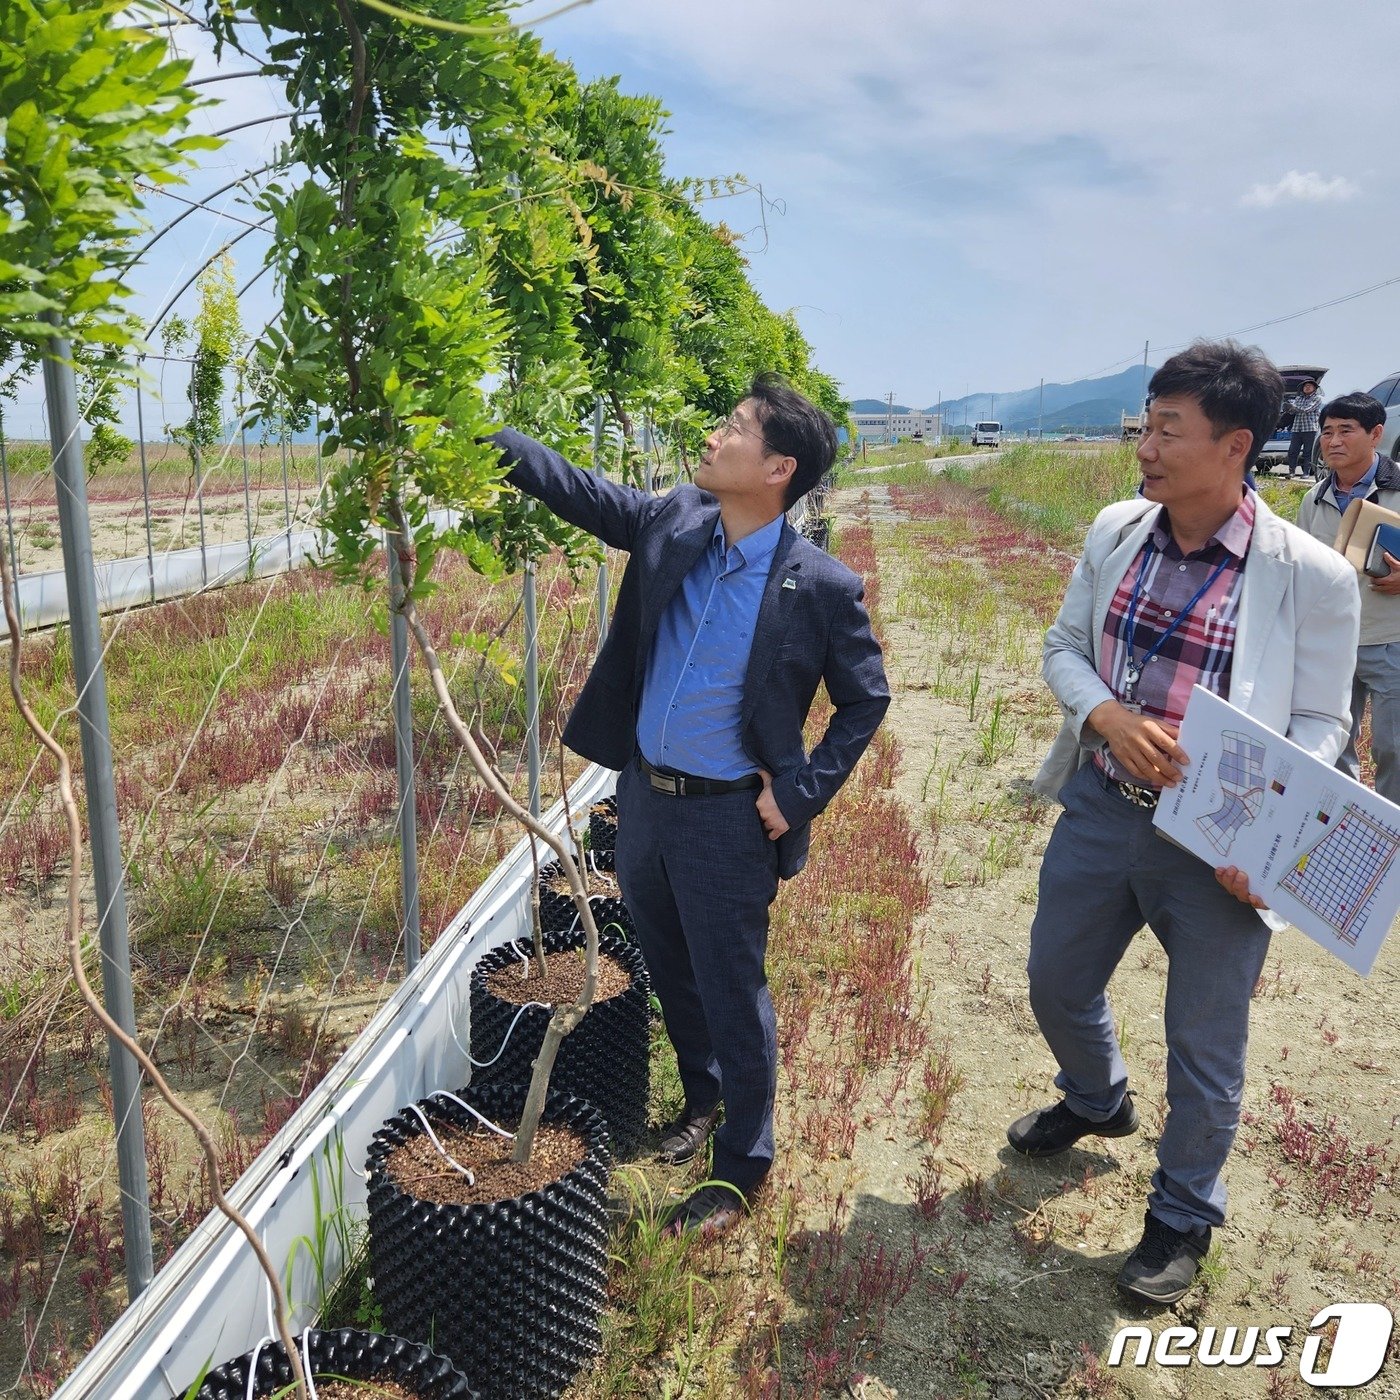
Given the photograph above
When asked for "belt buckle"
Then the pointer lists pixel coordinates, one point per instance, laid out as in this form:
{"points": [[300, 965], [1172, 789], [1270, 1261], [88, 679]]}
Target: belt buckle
{"points": [[1140, 796], [665, 782]]}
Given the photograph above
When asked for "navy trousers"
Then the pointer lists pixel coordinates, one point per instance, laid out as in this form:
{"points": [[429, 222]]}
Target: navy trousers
{"points": [[1105, 874], [698, 875]]}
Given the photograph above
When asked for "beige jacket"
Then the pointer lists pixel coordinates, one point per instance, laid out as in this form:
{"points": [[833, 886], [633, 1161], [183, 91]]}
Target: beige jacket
{"points": [[1295, 643], [1319, 516]]}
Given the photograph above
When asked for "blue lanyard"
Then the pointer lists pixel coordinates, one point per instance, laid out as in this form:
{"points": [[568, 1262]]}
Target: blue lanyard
{"points": [[1133, 670]]}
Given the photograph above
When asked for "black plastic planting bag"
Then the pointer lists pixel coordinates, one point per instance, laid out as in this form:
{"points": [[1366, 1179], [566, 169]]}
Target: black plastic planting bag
{"points": [[559, 910], [509, 1291], [363, 1356], [602, 825], [605, 1060]]}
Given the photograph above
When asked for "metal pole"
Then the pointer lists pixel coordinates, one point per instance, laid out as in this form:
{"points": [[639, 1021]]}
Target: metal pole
{"points": [[74, 530], [145, 486], [199, 505], [532, 688], [316, 418], [1040, 415], [286, 495], [598, 470], [9, 515], [247, 497], [1145, 344], [403, 757]]}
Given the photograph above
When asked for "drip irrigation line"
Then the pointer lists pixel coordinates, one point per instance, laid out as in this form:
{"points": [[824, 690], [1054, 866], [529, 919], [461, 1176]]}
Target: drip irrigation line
{"points": [[480, 1117], [442, 1151]]}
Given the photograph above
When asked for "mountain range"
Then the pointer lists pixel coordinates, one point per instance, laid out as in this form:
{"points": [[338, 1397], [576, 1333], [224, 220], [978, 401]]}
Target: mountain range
{"points": [[1079, 406]]}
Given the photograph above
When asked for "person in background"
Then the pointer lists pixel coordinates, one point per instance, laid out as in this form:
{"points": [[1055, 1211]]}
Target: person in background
{"points": [[1195, 582], [1303, 434], [1355, 470], [727, 621]]}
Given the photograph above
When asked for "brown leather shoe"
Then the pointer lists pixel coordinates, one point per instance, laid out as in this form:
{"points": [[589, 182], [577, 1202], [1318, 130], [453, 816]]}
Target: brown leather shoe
{"points": [[683, 1137], [708, 1211]]}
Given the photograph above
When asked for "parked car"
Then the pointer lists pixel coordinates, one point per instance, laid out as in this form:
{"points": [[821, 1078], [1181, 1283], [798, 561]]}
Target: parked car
{"points": [[986, 434], [1388, 392], [1275, 451]]}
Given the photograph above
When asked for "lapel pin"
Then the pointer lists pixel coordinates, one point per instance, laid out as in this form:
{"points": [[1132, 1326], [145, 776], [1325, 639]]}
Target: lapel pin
{"points": [[789, 583]]}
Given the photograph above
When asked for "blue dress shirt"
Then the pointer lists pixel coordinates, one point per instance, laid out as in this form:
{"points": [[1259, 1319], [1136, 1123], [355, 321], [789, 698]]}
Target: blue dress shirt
{"points": [[693, 690]]}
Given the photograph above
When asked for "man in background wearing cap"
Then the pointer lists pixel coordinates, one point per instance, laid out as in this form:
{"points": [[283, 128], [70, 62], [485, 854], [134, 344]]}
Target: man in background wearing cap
{"points": [[1303, 435]]}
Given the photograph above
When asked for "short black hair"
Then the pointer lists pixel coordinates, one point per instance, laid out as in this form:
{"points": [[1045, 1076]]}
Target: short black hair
{"points": [[793, 426], [1368, 411], [1236, 386]]}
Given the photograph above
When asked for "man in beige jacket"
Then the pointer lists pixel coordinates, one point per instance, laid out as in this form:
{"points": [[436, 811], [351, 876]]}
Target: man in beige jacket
{"points": [[1351, 428], [1196, 582]]}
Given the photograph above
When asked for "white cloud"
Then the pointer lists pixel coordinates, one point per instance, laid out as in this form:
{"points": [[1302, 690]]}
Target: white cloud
{"points": [[1300, 186]]}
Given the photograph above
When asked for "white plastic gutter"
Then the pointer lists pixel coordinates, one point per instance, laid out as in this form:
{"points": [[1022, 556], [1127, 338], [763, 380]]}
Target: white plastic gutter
{"points": [[209, 1303]]}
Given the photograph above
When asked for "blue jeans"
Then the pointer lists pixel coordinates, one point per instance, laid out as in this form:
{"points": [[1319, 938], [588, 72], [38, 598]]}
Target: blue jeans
{"points": [[1300, 451], [1377, 678], [1105, 874], [698, 875]]}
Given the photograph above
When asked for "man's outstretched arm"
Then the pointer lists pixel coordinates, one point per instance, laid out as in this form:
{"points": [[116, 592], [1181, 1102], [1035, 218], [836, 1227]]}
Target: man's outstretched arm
{"points": [[603, 508]]}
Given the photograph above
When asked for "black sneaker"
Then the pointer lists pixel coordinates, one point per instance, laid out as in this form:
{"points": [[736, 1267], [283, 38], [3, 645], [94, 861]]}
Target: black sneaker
{"points": [[1164, 1264], [1047, 1131]]}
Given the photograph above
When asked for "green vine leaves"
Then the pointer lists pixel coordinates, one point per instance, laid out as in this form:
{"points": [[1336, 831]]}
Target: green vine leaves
{"points": [[89, 108]]}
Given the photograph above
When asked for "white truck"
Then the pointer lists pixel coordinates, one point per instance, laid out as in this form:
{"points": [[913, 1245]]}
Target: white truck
{"points": [[986, 434]]}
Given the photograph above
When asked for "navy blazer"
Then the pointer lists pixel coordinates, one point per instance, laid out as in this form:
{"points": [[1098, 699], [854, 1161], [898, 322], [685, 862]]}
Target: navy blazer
{"points": [[812, 627]]}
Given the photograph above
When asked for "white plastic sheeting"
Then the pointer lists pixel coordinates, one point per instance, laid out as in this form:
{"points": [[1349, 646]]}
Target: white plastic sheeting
{"points": [[127, 583], [209, 1303]]}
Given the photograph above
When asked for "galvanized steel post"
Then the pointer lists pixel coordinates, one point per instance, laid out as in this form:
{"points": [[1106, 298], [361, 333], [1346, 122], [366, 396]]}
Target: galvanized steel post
{"points": [[247, 495], [145, 486], [9, 516], [403, 757], [74, 530]]}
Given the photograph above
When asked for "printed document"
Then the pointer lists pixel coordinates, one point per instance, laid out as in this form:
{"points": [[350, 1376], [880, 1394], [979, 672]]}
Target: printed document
{"points": [[1319, 849]]}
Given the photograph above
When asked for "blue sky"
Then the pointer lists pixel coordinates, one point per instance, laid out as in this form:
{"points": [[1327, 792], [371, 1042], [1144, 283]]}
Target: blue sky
{"points": [[981, 195], [970, 196]]}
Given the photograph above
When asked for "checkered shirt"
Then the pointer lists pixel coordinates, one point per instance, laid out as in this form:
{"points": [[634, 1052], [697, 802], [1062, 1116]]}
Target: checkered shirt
{"points": [[1305, 411], [1201, 649]]}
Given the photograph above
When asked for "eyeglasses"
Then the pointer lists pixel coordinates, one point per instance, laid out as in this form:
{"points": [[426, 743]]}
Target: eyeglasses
{"points": [[727, 427]]}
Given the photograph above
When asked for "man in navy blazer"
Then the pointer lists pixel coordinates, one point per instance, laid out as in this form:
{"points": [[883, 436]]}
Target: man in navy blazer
{"points": [[726, 622]]}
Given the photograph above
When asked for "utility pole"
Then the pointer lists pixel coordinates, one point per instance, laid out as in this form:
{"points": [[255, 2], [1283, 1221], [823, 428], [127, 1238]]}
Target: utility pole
{"points": [[1144, 371], [1040, 415], [889, 419], [940, 417]]}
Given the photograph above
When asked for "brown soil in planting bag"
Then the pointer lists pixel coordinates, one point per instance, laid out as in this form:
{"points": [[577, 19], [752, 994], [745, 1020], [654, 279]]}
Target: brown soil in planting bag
{"points": [[368, 1389], [420, 1169], [562, 982], [602, 882]]}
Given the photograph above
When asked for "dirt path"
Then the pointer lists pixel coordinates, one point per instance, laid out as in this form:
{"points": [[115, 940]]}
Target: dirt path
{"points": [[1019, 1296]]}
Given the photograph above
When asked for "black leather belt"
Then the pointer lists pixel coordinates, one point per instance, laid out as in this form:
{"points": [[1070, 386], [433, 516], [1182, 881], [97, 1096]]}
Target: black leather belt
{"points": [[686, 785]]}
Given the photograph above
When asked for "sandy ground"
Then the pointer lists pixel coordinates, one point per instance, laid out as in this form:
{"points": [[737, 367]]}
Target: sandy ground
{"points": [[1324, 1060]]}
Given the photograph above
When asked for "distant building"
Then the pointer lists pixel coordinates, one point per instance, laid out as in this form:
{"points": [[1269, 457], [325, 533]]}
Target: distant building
{"points": [[897, 427]]}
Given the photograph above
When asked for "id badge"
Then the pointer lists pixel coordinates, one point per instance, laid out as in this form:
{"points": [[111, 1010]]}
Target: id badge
{"points": [[1132, 706]]}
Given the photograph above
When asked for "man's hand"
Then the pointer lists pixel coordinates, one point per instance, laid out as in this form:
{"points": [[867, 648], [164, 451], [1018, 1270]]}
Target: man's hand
{"points": [[1237, 882], [774, 823], [1390, 584], [1145, 747]]}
